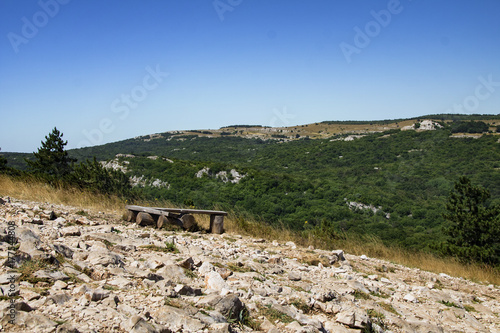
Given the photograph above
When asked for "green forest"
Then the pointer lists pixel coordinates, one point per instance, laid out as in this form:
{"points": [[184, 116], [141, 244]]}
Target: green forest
{"points": [[394, 185]]}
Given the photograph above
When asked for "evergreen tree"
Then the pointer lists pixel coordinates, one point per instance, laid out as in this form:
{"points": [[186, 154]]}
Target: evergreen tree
{"points": [[474, 228], [51, 160], [3, 163]]}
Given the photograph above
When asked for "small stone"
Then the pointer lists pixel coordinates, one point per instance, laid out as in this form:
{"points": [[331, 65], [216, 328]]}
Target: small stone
{"points": [[59, 298], [214, 281], [184, 290], [410, 298], [37, 221], [60, 220], [58, 285], [187, 263], [64, 250], [346, 317], [70, 231], [224, 272], [206, 268], [52, 275], [137, 324], [339, 254], [97, 295], [294, 276], [294, 327], [275, 260], [67, 328]]}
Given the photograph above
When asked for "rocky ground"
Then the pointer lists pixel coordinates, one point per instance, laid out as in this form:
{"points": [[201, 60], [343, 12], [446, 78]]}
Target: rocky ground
{"points": [[83, 271]]}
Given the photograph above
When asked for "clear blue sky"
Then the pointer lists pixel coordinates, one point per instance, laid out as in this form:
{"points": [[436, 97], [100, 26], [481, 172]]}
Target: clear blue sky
{"points": [[103, 71]]}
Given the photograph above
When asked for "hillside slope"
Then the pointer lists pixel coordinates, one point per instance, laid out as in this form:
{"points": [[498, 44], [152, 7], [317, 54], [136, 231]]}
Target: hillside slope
{"points": [[392, 184], [390, 179], [86, 271]]}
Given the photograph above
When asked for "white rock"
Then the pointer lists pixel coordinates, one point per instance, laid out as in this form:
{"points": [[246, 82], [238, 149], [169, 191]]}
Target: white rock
{"points": [[206, 268], [410, 298], [70, 231], [214, 281]]}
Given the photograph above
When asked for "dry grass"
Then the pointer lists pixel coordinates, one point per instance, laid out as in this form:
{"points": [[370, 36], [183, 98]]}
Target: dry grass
{"points": [[235, 224], [37, 191], [370, 246]]}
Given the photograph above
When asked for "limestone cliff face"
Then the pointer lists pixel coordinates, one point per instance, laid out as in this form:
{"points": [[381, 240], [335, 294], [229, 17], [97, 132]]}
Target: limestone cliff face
{"points": [[97, 273]]}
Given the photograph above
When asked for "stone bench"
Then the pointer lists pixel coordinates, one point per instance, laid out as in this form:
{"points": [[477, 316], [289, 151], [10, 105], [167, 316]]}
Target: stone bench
{"points": [[159, 217]]}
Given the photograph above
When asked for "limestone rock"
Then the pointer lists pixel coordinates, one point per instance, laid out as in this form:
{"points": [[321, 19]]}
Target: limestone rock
{"points": [[70, 231], [64, 250], [29, 321], [294, 276], [106, 281], [139, 325], [97, 295], [187, 263], [51, 275], [214, 281]]}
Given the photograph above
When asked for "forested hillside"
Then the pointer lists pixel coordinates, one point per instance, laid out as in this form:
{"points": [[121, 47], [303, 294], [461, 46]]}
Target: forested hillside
{"points": [[393, 184]]}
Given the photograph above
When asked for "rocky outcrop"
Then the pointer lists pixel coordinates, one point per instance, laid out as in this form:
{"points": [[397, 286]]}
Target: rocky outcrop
{"points": [[97, 273]]}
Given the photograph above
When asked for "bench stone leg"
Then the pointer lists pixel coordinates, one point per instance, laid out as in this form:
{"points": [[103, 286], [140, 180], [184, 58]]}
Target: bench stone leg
{"points": [[144, 219], [188, 221], [164, 220], [217, 224], [131, 216]]}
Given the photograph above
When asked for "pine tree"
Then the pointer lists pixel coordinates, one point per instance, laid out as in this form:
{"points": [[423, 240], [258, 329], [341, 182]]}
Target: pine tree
{"points": [[51, 160], [3, 163], [473, 227]]}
